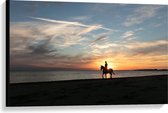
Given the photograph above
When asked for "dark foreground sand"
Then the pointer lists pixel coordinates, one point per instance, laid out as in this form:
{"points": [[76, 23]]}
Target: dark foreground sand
{"points": [[140, 90]]}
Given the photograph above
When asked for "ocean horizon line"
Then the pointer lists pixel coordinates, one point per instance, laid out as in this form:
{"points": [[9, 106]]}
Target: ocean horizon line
{"points": [[86, 69]]}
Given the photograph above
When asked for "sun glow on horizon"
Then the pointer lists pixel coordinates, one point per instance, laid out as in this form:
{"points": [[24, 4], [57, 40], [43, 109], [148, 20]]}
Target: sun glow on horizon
{"points": [[99, 62]]}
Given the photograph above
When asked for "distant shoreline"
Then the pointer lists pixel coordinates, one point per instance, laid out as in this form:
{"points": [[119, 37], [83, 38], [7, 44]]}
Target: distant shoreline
{"points": [[150, 70]]}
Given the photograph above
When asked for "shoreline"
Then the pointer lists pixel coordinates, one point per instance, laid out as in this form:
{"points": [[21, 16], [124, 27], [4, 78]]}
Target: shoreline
{"points": [[131, 90], [114, 77]]}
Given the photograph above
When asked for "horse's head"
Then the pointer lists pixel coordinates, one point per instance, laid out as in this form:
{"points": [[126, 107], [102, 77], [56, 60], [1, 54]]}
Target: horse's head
{"points": [[102, 67]]}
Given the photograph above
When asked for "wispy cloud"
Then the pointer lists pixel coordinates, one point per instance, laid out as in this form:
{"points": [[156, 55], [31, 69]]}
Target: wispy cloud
{"points": [[129, 35], [139, 29], [133, 49], [138, 45], [62, 22], [89, 29], [103, 36], [80, 18], [141, 14], [72, 23]]}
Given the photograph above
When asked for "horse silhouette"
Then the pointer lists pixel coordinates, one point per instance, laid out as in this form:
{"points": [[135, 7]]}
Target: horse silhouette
{"points": [[106, 71]]}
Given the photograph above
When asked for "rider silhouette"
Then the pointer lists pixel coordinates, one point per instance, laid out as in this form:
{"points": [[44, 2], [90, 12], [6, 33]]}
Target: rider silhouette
{"points": [[106, 65]]}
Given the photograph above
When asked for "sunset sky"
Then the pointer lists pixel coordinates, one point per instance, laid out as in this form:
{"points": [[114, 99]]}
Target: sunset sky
{"points": [[83, 36]]}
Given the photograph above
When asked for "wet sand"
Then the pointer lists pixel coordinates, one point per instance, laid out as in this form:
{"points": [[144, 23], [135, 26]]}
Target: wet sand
{"points": [[134, 90]]}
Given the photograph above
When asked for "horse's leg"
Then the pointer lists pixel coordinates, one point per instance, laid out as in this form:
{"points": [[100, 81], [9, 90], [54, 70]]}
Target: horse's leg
{"points": [[105, 75], [111, 75], [102, 76]]}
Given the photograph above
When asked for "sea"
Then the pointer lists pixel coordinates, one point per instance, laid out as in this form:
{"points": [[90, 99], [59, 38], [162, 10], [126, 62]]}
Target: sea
{"points": [[43, 76]]}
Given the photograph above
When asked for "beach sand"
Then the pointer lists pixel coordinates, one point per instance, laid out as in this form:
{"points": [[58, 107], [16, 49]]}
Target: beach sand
{"points": [[134, 90]]}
